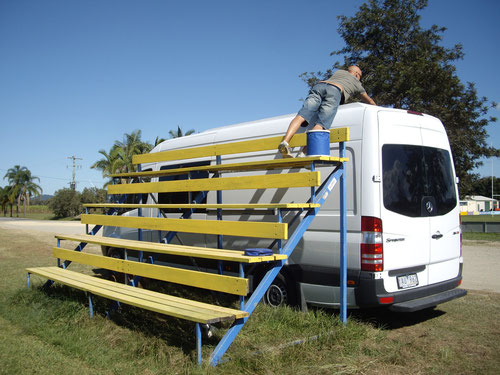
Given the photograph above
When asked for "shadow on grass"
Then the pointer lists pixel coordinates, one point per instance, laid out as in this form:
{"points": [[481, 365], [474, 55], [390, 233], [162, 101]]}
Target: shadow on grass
{"points": [[386, 319]]}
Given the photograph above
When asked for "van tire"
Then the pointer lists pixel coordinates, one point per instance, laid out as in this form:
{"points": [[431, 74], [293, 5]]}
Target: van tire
{"points": [[117, 253], [280, 293]]}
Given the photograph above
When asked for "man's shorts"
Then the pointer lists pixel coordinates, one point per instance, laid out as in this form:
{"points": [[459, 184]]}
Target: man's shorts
{"points": [[320, 106]]}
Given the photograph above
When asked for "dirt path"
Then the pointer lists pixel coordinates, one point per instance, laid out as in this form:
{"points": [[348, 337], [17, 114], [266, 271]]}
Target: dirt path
{"points": [[481, 266], [62, 227]]}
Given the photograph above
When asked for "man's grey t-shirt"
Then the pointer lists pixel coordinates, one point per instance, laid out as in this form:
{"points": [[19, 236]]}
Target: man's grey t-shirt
{"points": [[350, 84]]}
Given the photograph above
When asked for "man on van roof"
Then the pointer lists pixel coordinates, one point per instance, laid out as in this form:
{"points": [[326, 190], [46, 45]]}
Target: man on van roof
{"points": [[320, 106]]}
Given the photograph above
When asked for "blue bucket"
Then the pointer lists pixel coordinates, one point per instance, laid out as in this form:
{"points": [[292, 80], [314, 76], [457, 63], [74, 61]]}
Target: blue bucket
{"points": [[318, 143]]}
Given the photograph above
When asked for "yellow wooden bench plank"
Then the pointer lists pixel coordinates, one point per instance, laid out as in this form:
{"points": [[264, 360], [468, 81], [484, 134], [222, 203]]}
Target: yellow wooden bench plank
{"points": [[205, 280], [154, 301], [149, 295], [234, 228], [227, 206], [285, 180], [270, 143], [180, 250], [237, 167]]}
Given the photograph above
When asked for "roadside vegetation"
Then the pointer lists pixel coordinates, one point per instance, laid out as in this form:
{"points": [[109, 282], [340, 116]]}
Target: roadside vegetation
{"points": [[48, 330]]}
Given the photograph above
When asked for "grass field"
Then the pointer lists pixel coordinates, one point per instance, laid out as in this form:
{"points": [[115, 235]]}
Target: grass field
{"points": [[36, 212], [481, 236], [50, 331], [481, 218]]}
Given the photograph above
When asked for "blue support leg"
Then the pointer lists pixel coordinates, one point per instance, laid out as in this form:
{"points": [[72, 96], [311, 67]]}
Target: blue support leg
{"points": [[91, 306], [28, 280], [242, 275], [197, 329], [343, 242]]}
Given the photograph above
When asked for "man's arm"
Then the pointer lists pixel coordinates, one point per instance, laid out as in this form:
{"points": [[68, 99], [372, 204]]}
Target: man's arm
{"points": [[366, 99]]}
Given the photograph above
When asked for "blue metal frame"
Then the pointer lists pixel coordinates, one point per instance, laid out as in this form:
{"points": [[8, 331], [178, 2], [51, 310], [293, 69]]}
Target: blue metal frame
{"points": [[319, 197], [343, 239]]}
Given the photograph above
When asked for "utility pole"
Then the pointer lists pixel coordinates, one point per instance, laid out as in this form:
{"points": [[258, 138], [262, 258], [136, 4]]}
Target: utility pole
{"points": [[72, 184]]}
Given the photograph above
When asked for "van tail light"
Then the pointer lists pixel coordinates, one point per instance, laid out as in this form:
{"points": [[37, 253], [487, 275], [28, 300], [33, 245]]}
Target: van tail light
{"points": [[372, 248]]}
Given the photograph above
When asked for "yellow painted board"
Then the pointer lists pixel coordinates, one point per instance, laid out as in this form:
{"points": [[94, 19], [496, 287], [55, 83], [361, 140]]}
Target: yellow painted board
{"points": [[336, 135], [285, 180], [180, 250], [229, 206], [205, 280], [162, 303], [80, 283], [245, 166], [148, 295], [234, 228]]}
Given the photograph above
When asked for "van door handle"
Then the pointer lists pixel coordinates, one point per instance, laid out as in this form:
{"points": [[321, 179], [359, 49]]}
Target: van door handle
{"points": [[437, 236]]}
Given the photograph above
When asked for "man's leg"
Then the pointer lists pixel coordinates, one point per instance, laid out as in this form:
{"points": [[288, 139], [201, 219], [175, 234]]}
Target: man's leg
{"points": [[284, 147], [293, 127], [306, 113]]}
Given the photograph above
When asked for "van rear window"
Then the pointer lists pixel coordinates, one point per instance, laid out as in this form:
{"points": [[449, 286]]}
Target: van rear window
{"points": [[417, 181]]}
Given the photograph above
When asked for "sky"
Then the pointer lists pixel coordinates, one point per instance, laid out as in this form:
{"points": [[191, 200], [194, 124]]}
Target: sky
{"points": [[76, 75]]}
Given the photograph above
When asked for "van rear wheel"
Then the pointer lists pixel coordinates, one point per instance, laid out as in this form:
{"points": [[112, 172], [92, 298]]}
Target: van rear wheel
{"points": [[279, 293]]}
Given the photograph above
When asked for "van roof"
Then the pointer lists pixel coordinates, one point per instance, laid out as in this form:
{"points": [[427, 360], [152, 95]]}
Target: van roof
{"points": [[345, 109]]}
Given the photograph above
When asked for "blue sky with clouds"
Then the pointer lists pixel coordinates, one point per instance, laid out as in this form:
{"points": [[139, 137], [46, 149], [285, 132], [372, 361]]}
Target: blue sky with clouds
{"points": [[76, 75]]}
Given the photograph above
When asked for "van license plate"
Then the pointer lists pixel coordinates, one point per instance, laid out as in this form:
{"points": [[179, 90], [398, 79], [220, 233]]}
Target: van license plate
{"points": [[407, 281]]}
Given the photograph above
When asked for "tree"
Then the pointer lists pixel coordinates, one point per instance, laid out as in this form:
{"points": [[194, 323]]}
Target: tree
{"points": [[179, 133], [23, 186], [483, 187], [405, 67], [7, 198], [158, 140], [119, 158], [130, 146], [93, 195], [66, 203]]}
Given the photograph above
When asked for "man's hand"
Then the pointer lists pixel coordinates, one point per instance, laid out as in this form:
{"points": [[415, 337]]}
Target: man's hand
{"points": [[366, 99]]}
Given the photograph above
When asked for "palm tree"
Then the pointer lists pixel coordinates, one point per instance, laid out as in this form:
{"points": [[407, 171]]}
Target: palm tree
{"points": [[4, 199], [158, 140], [119, 158], [130, 146], [178, 134], [111, 163], [7, 199], [23, 186], [29, 189]]}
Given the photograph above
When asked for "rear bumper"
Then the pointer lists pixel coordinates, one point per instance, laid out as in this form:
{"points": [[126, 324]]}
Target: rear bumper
{"points": [[429, 301], [371, 292]]}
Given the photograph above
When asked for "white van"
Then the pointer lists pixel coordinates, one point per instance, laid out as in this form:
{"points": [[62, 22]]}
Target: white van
{"points": [[403, 219]]}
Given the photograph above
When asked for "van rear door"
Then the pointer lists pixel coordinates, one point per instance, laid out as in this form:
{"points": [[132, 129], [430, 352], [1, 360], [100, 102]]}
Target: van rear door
{"points": [[419, 202], [406, 242], [444, 221]]}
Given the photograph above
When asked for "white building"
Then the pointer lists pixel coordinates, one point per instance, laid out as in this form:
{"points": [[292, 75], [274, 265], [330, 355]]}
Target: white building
{"points": [[477, 203]]}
